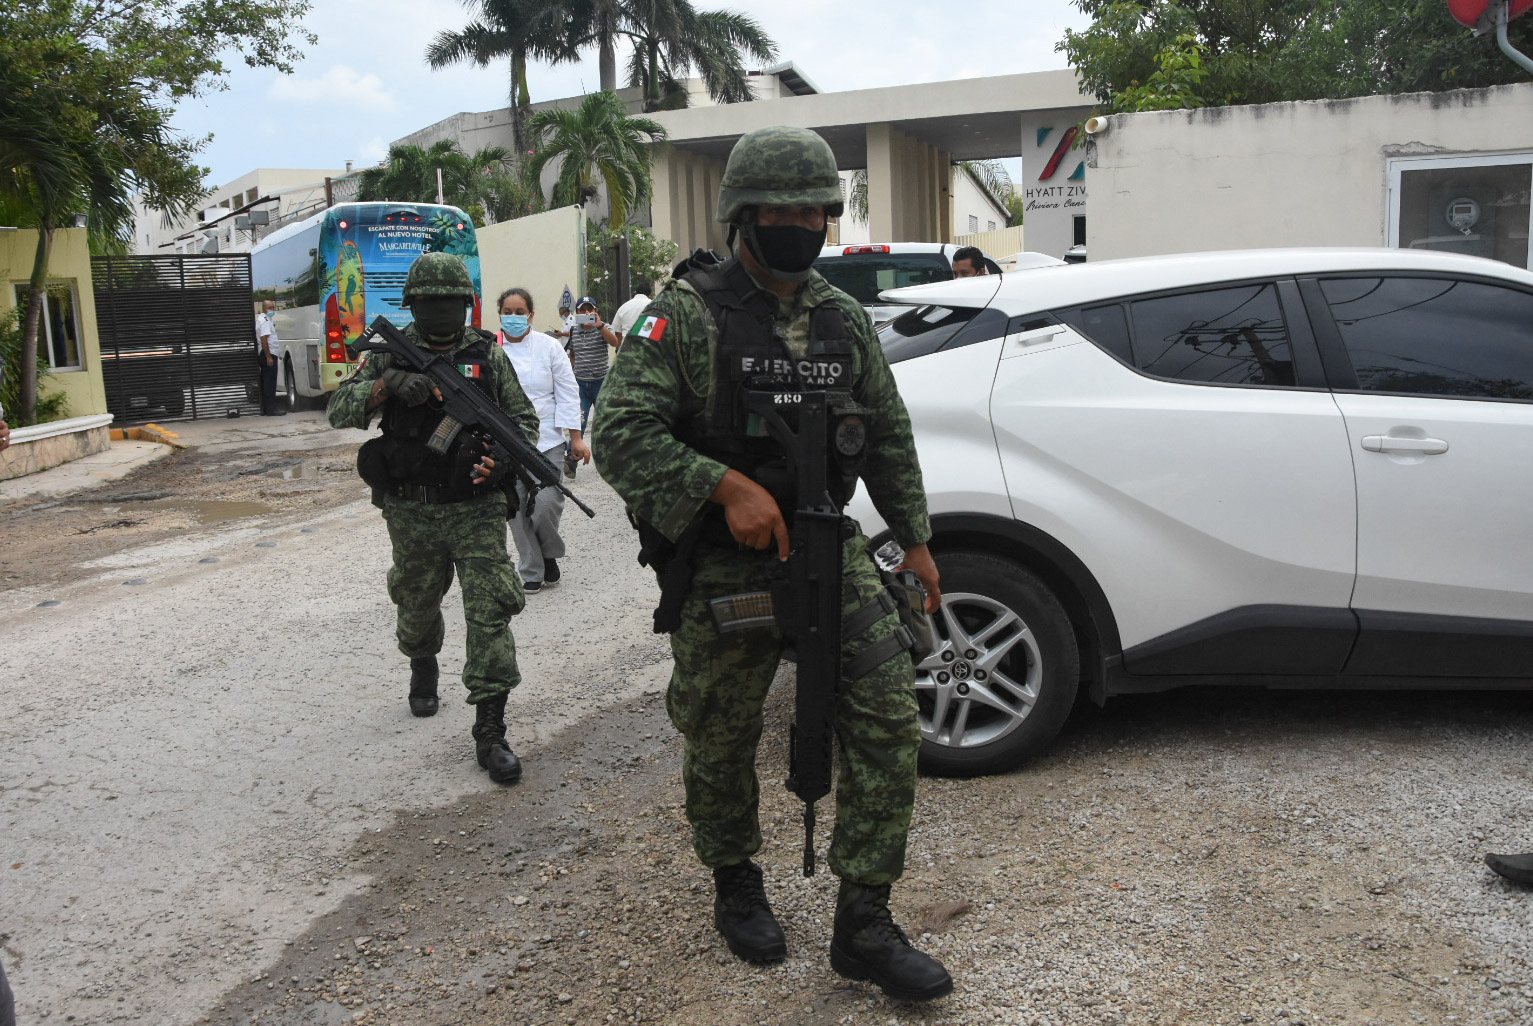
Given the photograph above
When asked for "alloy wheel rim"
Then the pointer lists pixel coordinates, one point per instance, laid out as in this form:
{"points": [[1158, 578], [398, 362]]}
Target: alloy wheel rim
{"points": [[983, 679]]}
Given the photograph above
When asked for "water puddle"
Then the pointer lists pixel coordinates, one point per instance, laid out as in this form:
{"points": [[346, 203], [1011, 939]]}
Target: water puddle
{"points": [[213, 511], [298, 472]]}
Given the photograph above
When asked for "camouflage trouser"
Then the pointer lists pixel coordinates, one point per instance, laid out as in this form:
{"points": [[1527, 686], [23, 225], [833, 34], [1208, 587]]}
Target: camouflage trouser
{"points": [[717, 690], [430, 541]]}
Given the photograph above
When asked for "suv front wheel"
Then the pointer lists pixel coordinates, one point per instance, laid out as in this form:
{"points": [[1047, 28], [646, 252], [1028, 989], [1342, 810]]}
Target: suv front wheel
{"points": [[1004, 675]]}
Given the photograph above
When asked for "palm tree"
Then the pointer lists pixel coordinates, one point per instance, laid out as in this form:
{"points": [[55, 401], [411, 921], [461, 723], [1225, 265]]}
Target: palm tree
{"points": [[671, 40], [490, 184], [408, 174], [597, 140], [522, 30]]}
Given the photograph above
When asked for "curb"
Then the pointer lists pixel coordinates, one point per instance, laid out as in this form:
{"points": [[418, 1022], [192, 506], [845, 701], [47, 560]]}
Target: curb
{"points": [[148, 433]]}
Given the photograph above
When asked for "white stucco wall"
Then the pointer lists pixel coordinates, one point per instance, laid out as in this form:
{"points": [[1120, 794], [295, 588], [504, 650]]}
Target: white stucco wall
{"points": [[1052, 198], [1280, 174], [542, 254]]}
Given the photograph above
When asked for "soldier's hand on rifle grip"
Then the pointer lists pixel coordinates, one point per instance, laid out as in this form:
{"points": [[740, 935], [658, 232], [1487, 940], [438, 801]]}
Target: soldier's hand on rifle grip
{"points": [[918, 558], [751, 513]]}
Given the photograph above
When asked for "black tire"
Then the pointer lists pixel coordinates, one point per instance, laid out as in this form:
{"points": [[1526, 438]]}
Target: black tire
{"points": [[1006, 693], [290, 386]]}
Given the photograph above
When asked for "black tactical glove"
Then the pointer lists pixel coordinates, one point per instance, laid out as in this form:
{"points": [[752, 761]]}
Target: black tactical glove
{"points": [[413, 388], [502, 459]]}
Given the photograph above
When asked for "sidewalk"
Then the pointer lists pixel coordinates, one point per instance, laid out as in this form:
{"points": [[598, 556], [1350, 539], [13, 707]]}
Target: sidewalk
{"points": [[304, 430]]}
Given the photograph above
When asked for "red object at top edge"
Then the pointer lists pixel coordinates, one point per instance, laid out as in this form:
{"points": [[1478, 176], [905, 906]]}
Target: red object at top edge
{"points": [[1468, 12]]}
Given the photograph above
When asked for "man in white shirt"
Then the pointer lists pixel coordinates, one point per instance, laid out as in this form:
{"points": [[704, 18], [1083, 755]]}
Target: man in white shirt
{"points": [[266, 356], [628, 314]]}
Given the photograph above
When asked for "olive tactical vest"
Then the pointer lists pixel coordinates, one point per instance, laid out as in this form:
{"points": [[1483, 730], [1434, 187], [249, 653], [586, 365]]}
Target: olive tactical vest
{"points": [[408, 428], [752, 355]]}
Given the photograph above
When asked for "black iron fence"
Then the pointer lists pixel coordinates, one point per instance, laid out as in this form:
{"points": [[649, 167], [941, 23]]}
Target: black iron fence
{"points": [[177, 335]]}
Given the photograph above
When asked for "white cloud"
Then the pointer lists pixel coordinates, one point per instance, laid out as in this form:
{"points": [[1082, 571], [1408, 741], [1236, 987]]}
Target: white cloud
{"points": [[341, 88], [373, 151]]}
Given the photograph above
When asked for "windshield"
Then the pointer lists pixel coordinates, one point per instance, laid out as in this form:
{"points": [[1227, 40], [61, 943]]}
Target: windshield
{"points": [[864, 275]]}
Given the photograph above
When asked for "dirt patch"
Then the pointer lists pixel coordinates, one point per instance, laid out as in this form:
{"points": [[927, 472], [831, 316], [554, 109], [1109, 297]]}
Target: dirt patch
{"points": [[53, 542], [1106, 884]]}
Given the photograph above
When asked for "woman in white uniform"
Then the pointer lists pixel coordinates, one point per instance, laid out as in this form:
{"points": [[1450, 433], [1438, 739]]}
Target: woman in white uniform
{"points": [[549, 381]]}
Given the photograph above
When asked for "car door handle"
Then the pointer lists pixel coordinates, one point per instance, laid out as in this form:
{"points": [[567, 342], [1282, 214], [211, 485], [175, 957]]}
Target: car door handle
{"points": [[1395, 443], [1020, 340]]}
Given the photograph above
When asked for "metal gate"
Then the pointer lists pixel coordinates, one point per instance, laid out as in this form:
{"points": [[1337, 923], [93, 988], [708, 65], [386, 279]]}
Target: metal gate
{"points": [[177, 335]]}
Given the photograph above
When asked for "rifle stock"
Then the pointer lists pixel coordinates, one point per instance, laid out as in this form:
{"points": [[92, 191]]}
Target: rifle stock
{"points": [[465, 406]]}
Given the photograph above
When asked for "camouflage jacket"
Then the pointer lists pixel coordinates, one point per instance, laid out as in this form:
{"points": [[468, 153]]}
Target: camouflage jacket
{"points": [[348, 407], [640, 406]]}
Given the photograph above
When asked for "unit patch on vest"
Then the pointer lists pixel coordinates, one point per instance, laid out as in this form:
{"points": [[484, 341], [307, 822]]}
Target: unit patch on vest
{"points": [[652, 328], [471, 370], [810, 372]]}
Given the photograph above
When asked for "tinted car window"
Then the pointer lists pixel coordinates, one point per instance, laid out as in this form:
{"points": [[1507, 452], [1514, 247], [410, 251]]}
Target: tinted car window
{"points": [[1229, 336], [864, 276], [1105, 325], [926, 329], [1435, 336]]}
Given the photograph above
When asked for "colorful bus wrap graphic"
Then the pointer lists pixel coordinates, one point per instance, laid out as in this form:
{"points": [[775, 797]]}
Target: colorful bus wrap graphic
{"points": [[367, 249]]}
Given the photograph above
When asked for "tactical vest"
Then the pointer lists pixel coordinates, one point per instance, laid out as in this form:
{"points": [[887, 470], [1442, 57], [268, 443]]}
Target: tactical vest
{"points": [[751, 355], [408, 428]]}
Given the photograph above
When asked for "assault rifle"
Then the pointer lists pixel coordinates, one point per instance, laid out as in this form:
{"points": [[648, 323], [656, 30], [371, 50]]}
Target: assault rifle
{"points": [[465, 406], [806, 600]]}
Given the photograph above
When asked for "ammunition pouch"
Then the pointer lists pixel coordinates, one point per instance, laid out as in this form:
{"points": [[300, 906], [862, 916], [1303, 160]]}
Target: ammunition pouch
{"points": [[902, 595], [373, 466]]}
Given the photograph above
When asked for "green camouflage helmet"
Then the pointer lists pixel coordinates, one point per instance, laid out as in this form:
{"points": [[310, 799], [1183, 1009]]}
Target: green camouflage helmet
{"points": [[779, 166], [438, 274]]}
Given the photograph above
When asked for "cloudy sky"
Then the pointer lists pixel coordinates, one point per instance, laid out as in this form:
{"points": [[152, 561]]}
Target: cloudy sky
{"points": [[365, 83]]}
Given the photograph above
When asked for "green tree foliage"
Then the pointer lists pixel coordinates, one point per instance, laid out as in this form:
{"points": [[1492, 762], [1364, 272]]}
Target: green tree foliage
{"points": [[673, 40], [490, 184], [86, 88], [1168, 54], [598, 140], [518, 30], [650, 259]]}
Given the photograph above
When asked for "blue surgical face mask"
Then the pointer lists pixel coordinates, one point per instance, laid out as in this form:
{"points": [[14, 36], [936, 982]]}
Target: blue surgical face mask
{"points": [[515, 325]]}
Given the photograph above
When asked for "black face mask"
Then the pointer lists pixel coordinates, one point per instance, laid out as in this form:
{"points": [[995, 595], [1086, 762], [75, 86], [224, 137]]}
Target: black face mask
{"points": [[786, 250], [439, 318]]}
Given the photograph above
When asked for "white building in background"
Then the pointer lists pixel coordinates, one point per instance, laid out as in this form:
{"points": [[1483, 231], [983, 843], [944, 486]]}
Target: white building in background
{"points": [[974, 211], [235, 216]]}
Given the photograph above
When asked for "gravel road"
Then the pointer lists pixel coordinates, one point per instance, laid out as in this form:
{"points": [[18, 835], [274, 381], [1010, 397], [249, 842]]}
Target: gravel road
{"points": [[215, 808]]}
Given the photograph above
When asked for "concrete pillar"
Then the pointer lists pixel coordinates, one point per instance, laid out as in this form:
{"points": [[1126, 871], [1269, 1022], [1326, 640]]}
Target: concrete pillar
{"points": [[881, 172], [921, 179], [945, 197], [910, 174], [702, 209], [941, 179], [663, 201]]}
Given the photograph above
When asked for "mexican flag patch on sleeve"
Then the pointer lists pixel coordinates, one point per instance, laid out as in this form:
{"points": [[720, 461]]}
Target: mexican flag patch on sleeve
{"points": [[652, 328]]}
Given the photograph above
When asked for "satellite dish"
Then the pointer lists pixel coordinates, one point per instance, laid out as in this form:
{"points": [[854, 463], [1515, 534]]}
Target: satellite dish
{"points": [[1471, 13]]}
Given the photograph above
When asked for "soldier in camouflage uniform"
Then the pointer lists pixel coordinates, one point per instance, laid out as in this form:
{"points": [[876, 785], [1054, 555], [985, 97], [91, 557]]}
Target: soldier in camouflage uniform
{"points": [[658, 443], [448, 512]]}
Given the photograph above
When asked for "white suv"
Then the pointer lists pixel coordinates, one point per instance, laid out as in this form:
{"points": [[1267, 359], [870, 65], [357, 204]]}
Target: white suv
{"points": [[1295, 468]]}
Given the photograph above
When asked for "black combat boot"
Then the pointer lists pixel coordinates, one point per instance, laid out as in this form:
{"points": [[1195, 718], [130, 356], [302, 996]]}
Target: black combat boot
{"points": [[1516, 868], [490, 740], [867, 945], [743, 916], [423, 676]]}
